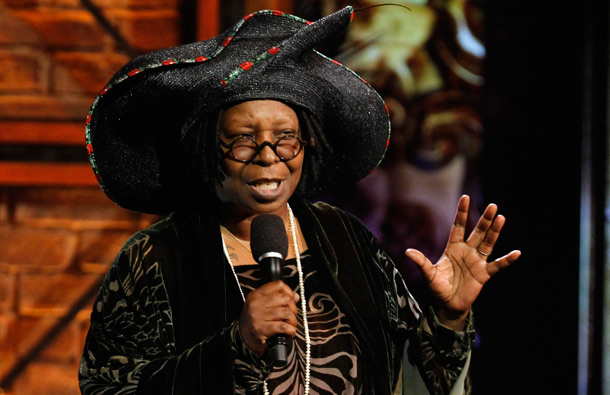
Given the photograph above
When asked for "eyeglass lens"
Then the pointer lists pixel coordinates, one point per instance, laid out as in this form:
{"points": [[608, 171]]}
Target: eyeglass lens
{"points": [[245, 149]]}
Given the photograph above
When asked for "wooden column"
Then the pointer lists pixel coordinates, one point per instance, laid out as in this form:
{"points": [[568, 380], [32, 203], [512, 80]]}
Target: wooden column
{"points": [[255, 5], [208, 19]]}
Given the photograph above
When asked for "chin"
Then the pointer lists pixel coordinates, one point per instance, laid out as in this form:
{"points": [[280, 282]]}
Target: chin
{"points": [[269, 207]]}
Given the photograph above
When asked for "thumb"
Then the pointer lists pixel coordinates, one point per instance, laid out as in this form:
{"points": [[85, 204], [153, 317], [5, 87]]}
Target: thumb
{"points": [[423, 264], [416, 256]]}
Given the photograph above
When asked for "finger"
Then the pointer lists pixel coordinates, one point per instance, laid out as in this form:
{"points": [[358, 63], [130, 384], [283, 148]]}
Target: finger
{"points": [[275, 287], [286, 289], [489, 241], [281, 314], [253, 340], [277, 301], [483, 224], [263, 320], [280, 327], [262, 332], [500, 263], [272, 315], [271, 297], [459, 223], [293, 307], [423, 264]]}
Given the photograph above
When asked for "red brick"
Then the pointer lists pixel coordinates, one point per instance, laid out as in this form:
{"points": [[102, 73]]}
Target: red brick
{"points": [[24, 71], [8, 289], [61, 196], [73, 208], [255, 5], [43, 295], [4, 209], [6, 323], [27, 332], [175, 4], [42, 378], [7, 347], [22, 3], [14, 30], [35, 250], [75, 72], [65, 28], [148, 30], [82, 320], [65, 108], [97, 249], [107, 4]]}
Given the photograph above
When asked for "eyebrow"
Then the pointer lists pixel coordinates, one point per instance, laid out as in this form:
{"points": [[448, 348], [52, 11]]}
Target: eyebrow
{"points": [[252, 129]]}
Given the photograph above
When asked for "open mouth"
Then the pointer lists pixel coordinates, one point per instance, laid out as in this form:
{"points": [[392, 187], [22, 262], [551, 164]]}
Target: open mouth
{"points": [[267, 185]]}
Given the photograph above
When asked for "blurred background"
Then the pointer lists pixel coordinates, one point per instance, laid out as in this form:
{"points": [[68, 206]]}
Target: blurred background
{"points": [[504, 100]]}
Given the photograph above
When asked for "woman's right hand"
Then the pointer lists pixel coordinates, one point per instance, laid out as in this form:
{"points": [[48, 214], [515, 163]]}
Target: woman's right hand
{"points": [[268, 310]]}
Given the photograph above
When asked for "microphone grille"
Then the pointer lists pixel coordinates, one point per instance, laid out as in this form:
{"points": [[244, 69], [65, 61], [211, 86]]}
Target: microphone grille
{"points": [[268, 234]]}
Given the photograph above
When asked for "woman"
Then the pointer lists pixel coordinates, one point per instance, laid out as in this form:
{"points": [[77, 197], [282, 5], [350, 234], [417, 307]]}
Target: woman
{"points": [[218, 133]]}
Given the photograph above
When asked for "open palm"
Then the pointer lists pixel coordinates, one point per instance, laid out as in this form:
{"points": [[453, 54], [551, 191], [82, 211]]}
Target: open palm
{"points": [[457, 278]]}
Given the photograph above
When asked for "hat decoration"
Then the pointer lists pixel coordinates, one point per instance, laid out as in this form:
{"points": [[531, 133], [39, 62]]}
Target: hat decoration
{"points": [[136, 124]]}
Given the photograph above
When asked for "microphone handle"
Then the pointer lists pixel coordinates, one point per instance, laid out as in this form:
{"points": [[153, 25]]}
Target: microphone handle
{"points": [[278, 346], [272, 267]]}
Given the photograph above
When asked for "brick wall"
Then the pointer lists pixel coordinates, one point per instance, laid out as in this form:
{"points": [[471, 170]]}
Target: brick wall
{"points": [[56, 56], [57, 242]]}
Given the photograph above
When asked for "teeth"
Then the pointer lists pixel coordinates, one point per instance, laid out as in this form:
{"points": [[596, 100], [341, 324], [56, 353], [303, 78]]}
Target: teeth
{"points": [[267, 186]]}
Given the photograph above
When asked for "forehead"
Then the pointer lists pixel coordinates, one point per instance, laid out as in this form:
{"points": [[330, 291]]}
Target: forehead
{"points": [[259, 113]]}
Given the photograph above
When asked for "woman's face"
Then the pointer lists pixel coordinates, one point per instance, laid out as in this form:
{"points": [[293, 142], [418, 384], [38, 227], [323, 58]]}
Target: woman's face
{"points": [[264, 184]]}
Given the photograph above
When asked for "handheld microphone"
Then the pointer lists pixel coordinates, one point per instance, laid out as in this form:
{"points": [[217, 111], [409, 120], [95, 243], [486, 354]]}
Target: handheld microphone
{"points": [[269, 245]]}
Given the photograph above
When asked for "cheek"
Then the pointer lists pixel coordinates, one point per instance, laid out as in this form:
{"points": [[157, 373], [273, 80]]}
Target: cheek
{"points": [[230, 169], [299, 161], [296, 167], [298, 171]]}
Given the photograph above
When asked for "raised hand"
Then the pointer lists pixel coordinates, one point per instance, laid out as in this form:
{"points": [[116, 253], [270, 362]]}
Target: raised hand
{"points": [[457, 278]]}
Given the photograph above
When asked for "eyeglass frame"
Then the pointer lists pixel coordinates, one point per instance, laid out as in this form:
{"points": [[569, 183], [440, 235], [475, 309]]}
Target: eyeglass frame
{"points": [[259, 147]]}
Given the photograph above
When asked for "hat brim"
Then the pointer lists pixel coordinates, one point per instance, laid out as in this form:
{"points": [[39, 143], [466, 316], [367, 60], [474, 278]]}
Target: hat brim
{"points": [[134, 126]]}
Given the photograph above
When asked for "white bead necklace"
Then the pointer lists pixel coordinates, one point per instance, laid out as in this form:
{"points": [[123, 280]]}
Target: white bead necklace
{"points": [[302, 294]]}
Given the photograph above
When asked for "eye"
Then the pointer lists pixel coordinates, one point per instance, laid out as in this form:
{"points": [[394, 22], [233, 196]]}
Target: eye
{"points": [[287, 133], [237, 136], [243, 140]]}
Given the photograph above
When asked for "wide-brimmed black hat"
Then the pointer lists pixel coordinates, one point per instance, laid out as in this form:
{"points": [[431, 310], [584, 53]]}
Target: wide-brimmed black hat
{"points": [[135, 125]]}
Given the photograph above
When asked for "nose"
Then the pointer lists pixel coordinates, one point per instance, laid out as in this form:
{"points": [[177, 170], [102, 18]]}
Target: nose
{"points": [[266, 155]]}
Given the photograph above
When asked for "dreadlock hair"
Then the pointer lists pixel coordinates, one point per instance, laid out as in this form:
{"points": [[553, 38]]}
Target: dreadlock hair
{"points": [[200, 144], [205, 158], [317, 147]]}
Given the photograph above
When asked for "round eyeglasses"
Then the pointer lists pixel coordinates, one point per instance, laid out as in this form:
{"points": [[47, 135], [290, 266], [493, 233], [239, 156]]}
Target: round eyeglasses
{"points": [[244, 149]]}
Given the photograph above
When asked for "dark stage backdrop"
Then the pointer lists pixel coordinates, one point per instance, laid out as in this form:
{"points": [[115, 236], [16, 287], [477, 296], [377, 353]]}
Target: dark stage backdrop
{"points": [[532, 111]]}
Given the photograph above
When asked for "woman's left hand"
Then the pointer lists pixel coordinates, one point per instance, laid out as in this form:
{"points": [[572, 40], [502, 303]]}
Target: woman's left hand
{"points": [[457, 278]]}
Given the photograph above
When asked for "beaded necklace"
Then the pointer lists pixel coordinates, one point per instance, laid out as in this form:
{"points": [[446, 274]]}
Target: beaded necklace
{"points": [[302, 294]]}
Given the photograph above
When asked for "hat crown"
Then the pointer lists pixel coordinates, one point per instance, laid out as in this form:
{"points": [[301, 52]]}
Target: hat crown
{"points": [[314, 34]]}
